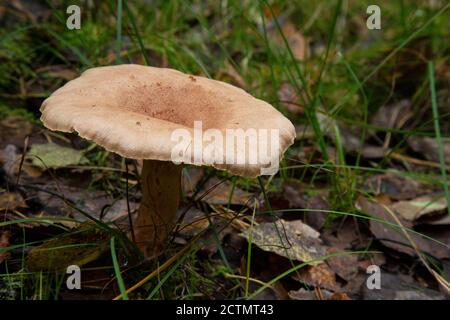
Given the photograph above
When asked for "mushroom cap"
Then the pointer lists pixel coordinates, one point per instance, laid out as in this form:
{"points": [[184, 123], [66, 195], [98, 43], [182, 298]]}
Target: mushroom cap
{"points": [[134, 110]]}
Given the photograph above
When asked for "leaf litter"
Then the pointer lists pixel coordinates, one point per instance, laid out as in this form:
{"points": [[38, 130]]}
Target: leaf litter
{"points": [[301, 236]]}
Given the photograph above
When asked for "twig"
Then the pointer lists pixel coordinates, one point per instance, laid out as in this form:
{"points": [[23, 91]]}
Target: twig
{"points": [[22, 159], [420, 162]]}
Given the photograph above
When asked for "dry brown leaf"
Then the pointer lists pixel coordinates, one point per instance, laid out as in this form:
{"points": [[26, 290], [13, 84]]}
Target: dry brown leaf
{"points": [[317, 276], [348, 236], [395, 186], [93, 202], [190, 179], [8, 158], [414, 209], [340, 296], [194, 221], [11, 201], [345, 265], [4, 243], [230, 74], [302, 229], [302, 294], [304, 132], [350, 137], [393, 116], [400, 287], [11, 163], [289, 99], [315, 205], [78, 248], [13, 130], [298, 44], [219, 194], [395, 239], [280, 238], [428, 148], [443, 219]]}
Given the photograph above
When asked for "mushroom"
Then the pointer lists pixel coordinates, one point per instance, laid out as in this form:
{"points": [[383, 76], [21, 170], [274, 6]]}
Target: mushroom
{"points": [[168, 118]]}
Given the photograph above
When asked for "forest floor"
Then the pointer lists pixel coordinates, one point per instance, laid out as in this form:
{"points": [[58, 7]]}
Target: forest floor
{"points": [[362, 193]]}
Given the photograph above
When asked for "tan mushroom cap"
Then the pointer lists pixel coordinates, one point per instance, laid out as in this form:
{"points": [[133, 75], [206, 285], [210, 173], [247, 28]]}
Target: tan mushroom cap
{"points": [[133, 111]]}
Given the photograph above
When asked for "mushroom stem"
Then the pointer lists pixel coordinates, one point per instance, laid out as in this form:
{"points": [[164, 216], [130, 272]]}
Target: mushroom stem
{"points": [[161, 183]]}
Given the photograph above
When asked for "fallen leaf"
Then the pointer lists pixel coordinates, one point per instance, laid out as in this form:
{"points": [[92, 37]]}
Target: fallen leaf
{"points": [[376, 258], [400, 287], [396, 186], [8, 157], [112, 210], [11, 163], [443, 219], [289, 99], [13, 130], [194, 221], [95, 203], [350, 137], [191, 178], [316, 216], [317, 276], [345, 265], [298, 44], [51, 155], [395, 238], [339, 296], [11, 201], [219, 194], [393, 116], [428, 147], [304, 132], [280, 238], [347, 236], [414, 209], [314, 205], [418, 295], [4, 243], [354, 287], [302, 294], [302, 229], [77, 248], [231, 75]]}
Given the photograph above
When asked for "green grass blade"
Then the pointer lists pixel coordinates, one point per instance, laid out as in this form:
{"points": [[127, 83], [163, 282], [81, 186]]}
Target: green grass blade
{"points": [[85, 60], [437, 130], [167, 275], [119, 31], [390, 56], [122, 288], [301, 265], [132, 19], [249, 253]]}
